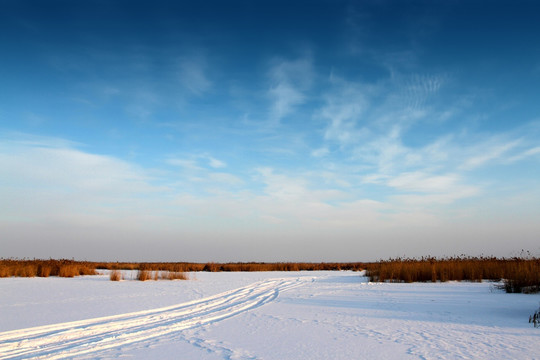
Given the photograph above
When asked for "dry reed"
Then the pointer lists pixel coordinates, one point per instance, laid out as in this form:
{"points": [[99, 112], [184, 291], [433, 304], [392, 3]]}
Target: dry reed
{"points": [[45, 268], [116, 275], [517, 274], [174, 275], [144, 275]]}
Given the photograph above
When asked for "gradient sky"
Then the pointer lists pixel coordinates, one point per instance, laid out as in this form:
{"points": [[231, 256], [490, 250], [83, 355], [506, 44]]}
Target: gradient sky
{"points": [[269, 130]]}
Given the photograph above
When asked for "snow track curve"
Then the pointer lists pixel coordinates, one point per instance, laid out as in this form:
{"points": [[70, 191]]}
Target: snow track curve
{"points": [[71, 339]]}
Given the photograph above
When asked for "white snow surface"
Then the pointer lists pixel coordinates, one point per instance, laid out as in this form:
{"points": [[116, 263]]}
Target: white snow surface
{"points": [[263, 315]]}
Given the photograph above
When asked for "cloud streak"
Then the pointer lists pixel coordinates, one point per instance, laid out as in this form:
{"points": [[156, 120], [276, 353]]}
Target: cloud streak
{"points": [[289, 81]]}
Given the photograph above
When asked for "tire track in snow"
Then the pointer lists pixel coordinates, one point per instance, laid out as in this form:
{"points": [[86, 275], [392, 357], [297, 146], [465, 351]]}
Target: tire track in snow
{"points": [[90, 336]]}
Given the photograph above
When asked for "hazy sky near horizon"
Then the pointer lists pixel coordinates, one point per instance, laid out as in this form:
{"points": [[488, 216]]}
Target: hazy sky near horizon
{"points": [[269, 130]]}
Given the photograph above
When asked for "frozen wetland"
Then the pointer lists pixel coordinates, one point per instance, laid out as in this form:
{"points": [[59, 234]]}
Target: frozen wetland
{"points": [[264, 315]]}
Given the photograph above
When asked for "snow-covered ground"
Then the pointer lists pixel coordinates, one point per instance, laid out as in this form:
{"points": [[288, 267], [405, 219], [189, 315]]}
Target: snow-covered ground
{"points": [[272, 315]]}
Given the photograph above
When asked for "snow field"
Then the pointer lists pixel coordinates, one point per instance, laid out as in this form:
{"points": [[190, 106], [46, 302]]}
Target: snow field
{"points": [[300, 315]]}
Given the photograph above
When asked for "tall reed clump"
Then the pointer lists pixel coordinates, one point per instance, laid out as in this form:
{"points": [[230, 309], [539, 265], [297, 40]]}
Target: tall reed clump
{"points": [[44, 270], [26, 270], [115, 275], [174, 275], [144, 275], [4, 271], [522, 276], [68, 271], [518, 274]]}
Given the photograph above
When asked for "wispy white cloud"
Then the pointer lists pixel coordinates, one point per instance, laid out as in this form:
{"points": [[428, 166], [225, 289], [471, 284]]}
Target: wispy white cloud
{"points": [[192, 74], [488, 153], [373, 127], [281, 186], [284, 97], [47, 181], [184, 163], [426, 202], [422, 182], [215, 163], [418, 88], [289, 80], [225, 178], [321, 152], [525, 154], [193, 161], [66, 169], [343, 108], [385, 151], [373, 118], [11, 140]]}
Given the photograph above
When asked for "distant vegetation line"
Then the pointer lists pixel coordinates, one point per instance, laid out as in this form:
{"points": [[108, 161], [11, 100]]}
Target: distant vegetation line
{"points": [[52, 267], [519, 274]]}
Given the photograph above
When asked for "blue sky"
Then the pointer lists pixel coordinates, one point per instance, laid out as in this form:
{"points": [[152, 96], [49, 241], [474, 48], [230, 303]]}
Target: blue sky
{"points": [[268, 130]]}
